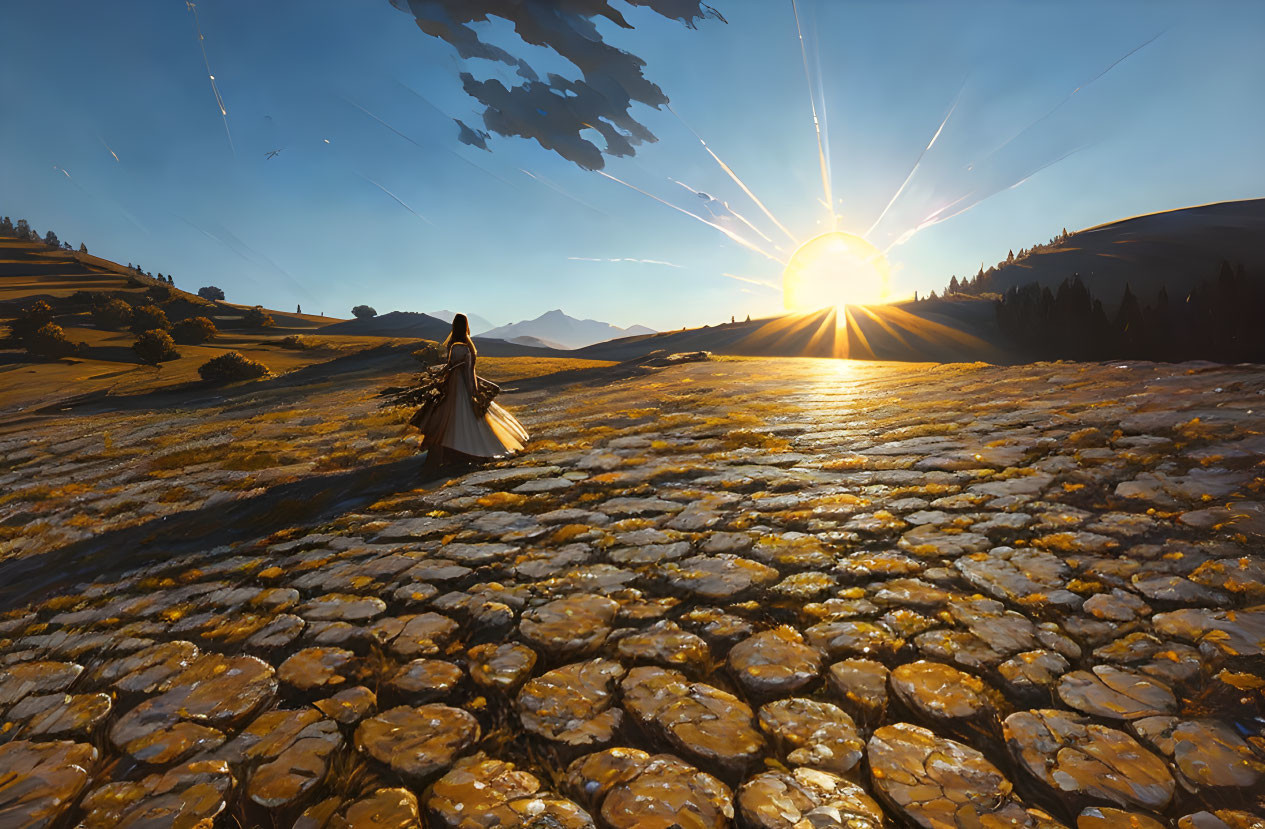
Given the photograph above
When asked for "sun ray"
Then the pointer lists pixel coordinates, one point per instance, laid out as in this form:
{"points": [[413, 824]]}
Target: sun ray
{"points": [[917, 162], [884, 324], [735, 213], [812, 101], [733, 236], [936, 217], [1071, 94], [729, 172], [852, 329], [751, 281]]}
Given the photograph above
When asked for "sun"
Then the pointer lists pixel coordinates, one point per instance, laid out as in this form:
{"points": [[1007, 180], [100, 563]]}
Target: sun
{"points": [[832, 270]]}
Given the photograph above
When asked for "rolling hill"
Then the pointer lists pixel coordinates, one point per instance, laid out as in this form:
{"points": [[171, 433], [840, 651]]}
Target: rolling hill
{"points": [[1175, 249]]}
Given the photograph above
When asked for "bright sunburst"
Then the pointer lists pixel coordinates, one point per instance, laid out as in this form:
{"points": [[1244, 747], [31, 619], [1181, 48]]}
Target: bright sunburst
{"points": [[832, 270]]}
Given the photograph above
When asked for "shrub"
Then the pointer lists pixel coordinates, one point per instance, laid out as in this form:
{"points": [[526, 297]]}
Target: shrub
{"points": [[113, 315], [194, 330], [50, 340], [431, 353], [363, 312], [161, 293], [31, 319], [257, 317], [295, 341], [149, 318], [231, 366], [210, 292], [154, 347]]}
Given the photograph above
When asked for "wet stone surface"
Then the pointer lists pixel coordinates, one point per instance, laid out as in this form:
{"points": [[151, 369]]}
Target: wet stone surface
{"points": [[734, 593]]}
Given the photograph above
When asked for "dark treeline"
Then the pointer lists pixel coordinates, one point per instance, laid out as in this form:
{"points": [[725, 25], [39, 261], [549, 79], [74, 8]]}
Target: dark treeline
{"points": [[1222, 319]]}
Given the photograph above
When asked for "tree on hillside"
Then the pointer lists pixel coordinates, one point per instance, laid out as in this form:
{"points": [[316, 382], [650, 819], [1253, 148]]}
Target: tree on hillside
{"points": [[257, 317], [363, 312], [23, 229], [114, 315], [51, 240], [231, 366], [50, 340], [160, 293], [210, 292], [149, 318], [29, 320], [83, 248], [6, 226], [154, 347], [194, 331]]}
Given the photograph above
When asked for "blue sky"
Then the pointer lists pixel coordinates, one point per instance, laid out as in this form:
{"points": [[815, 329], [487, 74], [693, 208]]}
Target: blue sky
{"points": [[1175, 124]]}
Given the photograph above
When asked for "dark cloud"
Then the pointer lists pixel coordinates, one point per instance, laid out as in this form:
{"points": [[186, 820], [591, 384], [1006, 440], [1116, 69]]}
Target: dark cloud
{"points": [[473, 137], [557, 111]]}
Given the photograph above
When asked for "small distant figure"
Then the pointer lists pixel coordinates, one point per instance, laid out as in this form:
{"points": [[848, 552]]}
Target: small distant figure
{"points": [[298, 309], [731, 320], [272, 154], [461, 422]]}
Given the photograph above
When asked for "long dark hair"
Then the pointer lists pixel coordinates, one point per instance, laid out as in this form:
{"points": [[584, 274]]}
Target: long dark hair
{"points": [[460, 334]]}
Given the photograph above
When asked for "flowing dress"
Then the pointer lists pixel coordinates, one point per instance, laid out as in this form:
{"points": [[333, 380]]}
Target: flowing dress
{"points": [[454, 424]]}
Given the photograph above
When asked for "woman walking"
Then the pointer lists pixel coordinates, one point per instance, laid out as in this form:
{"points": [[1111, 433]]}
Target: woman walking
{"points": [[464, 423]]}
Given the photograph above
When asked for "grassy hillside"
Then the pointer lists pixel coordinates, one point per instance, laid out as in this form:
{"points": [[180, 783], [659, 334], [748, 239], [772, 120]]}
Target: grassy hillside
{"points": [[1175, 249]]}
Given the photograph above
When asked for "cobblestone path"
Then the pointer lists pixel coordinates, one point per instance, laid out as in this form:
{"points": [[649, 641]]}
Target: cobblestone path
{"points": [[758, 593]]}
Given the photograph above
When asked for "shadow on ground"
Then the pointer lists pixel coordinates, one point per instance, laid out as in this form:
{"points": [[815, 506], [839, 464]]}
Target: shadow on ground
{"points": [[308, 501]]}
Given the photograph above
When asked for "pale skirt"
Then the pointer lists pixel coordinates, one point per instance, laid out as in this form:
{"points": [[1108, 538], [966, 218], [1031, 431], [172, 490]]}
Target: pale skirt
{"points": [[454, 425]]}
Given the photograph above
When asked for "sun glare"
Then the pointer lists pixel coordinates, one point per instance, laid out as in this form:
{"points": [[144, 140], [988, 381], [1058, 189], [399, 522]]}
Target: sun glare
{"points": [[833, 270]]}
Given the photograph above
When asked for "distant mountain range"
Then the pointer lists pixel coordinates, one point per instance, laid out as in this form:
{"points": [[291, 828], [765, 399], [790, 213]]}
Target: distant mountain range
{"points": [[561, 331]]}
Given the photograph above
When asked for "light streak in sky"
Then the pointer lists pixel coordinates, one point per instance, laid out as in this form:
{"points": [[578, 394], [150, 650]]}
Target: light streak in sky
{"points": [[219, 101], [729, 171], [107, 146], [733, 236], [1069, 96], [940, 215], [812, 100], [625, 259], [398, 200], [562, 192], [728, 209], [917, 163], [751, 281], [420, 146]]}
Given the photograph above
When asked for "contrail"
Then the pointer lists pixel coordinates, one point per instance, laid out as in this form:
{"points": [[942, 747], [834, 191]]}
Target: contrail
{"points": [[812, 101], [729, 171], [219, 101], [421, 146], [118, 204], [733, 236], [625, 259], [384, 123], [399, 200], [1069, 96], [562, 192], [107, 146], [733, 212], [917, 162]]}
